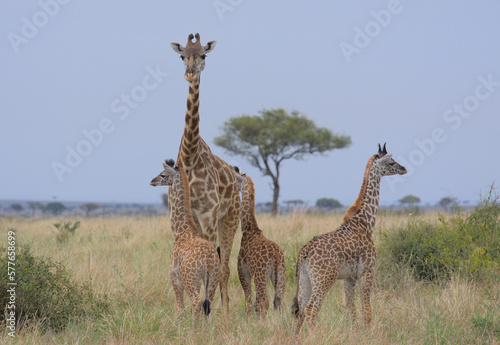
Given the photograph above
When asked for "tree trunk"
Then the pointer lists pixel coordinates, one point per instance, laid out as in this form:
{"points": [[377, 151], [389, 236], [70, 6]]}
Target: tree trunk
{"points": [[276, 193]]}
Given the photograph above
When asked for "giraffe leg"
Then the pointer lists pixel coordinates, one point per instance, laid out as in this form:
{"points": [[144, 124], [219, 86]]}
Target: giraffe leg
{"points": [[246, 281], [304, 294], [193, 291], [298, 322], [179, 293], [261, 300], [321, 283], [349, 288], [227, 230], [213, 282], [196, 304], [279, 281], [366, 288], [314, 305]]}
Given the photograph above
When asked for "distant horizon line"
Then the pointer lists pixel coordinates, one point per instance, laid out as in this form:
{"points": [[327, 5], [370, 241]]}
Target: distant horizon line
{"points": [[282, 203]]}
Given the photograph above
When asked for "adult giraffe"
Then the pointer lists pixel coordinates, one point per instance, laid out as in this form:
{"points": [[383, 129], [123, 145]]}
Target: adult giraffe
{"points": [[215, 199]]}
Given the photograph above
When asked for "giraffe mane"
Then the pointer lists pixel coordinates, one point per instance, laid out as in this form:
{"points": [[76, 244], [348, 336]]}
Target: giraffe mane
{"points": [[356, 206], [187, 201], [251, 207]]}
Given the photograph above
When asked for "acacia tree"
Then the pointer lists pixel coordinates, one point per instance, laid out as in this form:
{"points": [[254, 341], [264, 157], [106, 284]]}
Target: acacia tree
{"points": [[447, 201], [89, 207], [410, 200], [56, 208], [17, 207], [271, 137], [34, 205], [328, 203]]}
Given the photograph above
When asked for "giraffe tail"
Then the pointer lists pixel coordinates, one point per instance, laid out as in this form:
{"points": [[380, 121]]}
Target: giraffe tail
{"points": [[277, 303], [300, 261], [295, 307], [206, 307], [220, 283], [279, 283]]}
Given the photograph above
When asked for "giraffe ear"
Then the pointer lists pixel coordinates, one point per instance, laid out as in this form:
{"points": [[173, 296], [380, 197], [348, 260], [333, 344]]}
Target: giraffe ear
{"points": [[169, 169], [385, 158], [209, 46], [178, 48]]}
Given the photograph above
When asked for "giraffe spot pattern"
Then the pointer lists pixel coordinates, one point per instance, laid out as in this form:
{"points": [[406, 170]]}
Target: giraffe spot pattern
{"points": [[259, 259], [346, 253]]}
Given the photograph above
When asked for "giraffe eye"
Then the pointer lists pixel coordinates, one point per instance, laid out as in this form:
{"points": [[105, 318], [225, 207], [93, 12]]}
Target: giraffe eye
{"points": [[203, 56], [182, 58]]}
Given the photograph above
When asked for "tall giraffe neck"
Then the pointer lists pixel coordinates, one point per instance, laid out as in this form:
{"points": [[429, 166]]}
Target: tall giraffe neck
{"points": [[248, 220], [365, 207], [370, 204], [181, 216], [188, 151]]}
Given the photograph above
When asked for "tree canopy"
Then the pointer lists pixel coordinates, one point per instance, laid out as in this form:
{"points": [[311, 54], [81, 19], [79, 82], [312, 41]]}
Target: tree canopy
{"points": [[55, 208], [271, 137], [409, 200], [34, 205], [328, 203], [17, 207], [89, 207], [447, 201]]}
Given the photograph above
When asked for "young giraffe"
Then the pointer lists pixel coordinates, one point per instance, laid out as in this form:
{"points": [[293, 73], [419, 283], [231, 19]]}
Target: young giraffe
{"points": [[346, 253], [259, 258], [215, 200], [193, 259]]}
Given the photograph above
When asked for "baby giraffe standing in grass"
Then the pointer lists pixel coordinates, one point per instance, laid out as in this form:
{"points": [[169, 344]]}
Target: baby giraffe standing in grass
{"points": [[259, 259], [346, 253], [193, 259]]}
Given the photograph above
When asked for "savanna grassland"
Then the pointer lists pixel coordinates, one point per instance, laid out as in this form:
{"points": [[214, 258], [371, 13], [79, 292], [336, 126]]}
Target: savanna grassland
{"points": [[126, 261]]}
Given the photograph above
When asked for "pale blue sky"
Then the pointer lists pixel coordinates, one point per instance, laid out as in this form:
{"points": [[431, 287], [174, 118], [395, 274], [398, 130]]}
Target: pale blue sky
{"points": [[423, 76]]}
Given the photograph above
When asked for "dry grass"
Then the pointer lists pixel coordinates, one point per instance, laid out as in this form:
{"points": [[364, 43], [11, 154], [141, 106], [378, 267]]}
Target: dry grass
{"points": [[127, 258]]}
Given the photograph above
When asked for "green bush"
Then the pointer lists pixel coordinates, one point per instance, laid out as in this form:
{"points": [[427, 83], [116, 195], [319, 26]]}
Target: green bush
{"points": [[463, 244], [65, 229], [46, 293]]}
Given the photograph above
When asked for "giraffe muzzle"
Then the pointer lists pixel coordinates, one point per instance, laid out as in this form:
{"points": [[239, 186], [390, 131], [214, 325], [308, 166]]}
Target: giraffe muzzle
{"points": [[190, 76]]}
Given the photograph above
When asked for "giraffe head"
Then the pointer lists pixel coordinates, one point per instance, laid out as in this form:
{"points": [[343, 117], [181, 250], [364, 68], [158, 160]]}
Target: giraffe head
{"points": [[166, 177], [193, 55], [386, 164], [240, 178]]}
